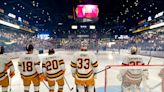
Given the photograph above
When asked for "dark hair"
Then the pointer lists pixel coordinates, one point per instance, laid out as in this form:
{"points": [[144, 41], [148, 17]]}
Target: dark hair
{"points": [[51, 51], [1, 49], [29, 47]]}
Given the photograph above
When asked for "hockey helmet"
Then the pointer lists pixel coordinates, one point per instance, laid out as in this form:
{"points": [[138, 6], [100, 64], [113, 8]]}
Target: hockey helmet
{"points": [[84, 45], [51, 51], [133, 50], [1, 49], [29, 47]]}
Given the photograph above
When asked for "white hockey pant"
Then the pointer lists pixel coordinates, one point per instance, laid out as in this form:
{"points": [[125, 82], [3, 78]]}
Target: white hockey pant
{"points": [[27, 88], [132, 88], [4, 89]]}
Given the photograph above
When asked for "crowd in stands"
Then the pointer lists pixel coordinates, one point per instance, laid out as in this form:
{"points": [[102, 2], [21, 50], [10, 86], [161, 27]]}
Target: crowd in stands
{"points": [[150, 40], [17, 41]]}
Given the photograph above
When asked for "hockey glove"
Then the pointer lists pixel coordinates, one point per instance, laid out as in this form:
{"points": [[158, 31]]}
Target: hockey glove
{"points": [[95, 76], [6, 68], [63, 71], [145, 74], [73, 75], [119, 77], [41, 77], [12, 74]]}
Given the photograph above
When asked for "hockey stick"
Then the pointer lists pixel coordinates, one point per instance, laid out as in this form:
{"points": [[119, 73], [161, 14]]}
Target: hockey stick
{"points": [[10, 85], [46, 85], [102, 70], [149, 59], [145, 80], [156, 85], [68, 85]]}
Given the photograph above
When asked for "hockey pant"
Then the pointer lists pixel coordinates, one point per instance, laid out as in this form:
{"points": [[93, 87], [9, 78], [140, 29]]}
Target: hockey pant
{"points": [[130, 88], [4, 83], [80, 88], [27, 82], [60, 83]]}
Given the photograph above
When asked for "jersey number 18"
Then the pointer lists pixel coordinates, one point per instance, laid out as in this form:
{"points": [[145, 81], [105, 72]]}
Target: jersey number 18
{"points": [[27, 66]]}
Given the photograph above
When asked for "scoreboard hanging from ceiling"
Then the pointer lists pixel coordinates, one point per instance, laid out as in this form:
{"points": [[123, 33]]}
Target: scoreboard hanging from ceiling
{"points": [[87, 13]]}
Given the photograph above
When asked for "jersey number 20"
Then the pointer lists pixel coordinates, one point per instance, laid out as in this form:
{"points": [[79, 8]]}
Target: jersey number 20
{"points": [[52, 65]]}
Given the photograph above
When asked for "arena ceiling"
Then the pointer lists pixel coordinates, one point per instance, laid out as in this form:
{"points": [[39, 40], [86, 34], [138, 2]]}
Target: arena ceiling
{"points": [[114, 14]]}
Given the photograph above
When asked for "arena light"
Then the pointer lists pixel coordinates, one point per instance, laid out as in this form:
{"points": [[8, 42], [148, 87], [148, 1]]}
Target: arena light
{"points": [[74, 27], [9, 24], [159, 14], [12, 15], [157, 25], [20, 19], [83, 36], [92, 27]]}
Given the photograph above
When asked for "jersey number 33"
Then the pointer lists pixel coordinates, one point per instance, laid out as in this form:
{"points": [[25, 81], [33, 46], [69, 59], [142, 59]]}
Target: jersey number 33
{"points": [[83, 63]]}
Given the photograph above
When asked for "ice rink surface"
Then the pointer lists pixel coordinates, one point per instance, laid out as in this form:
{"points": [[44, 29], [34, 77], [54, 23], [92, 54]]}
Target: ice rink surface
{"points": [[104, 58]]}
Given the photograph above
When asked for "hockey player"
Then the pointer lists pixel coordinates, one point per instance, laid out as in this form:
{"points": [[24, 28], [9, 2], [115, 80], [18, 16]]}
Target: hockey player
{"points": [[54, 68], [29, 66], [84, 66], [132, 78], [5, 64], [161, 75]]}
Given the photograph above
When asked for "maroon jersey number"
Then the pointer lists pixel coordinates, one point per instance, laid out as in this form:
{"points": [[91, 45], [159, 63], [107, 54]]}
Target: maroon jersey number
{"points": [[135, 63], [52, 65], [83, 63], [27, 66]]}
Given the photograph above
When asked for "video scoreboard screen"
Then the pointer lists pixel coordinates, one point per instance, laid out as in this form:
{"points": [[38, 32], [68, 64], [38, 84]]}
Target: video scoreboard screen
{"points": [[87, 13]]}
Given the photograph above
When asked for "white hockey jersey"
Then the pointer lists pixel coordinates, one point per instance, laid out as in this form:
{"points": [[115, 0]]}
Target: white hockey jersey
{"points": [[84, 65], [133, 60], [29, 65], [53, 67], [132, 75], [5, 62]]}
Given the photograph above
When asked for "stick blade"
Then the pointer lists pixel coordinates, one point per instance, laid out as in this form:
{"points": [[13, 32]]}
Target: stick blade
{"points": [[71, 88]]}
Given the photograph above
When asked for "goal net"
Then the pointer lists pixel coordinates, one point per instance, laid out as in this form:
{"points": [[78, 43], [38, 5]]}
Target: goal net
{"points": [[151, 83]]}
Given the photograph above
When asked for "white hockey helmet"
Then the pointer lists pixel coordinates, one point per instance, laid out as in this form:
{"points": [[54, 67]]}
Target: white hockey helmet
{"points": [[133, 50], [84, 45]]}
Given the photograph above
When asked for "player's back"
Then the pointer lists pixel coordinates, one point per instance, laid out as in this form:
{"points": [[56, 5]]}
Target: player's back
{"points": [[52, 63], [85, 61], [54, 66], [133, 60], [27, 63], [3, 62]]}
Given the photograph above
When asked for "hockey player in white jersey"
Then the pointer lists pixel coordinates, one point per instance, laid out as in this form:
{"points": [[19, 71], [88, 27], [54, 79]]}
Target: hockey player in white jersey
{"points": [[161, 75], [132, 78], [84, 66], [5, 64], [54, 68], [30, 70]]}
